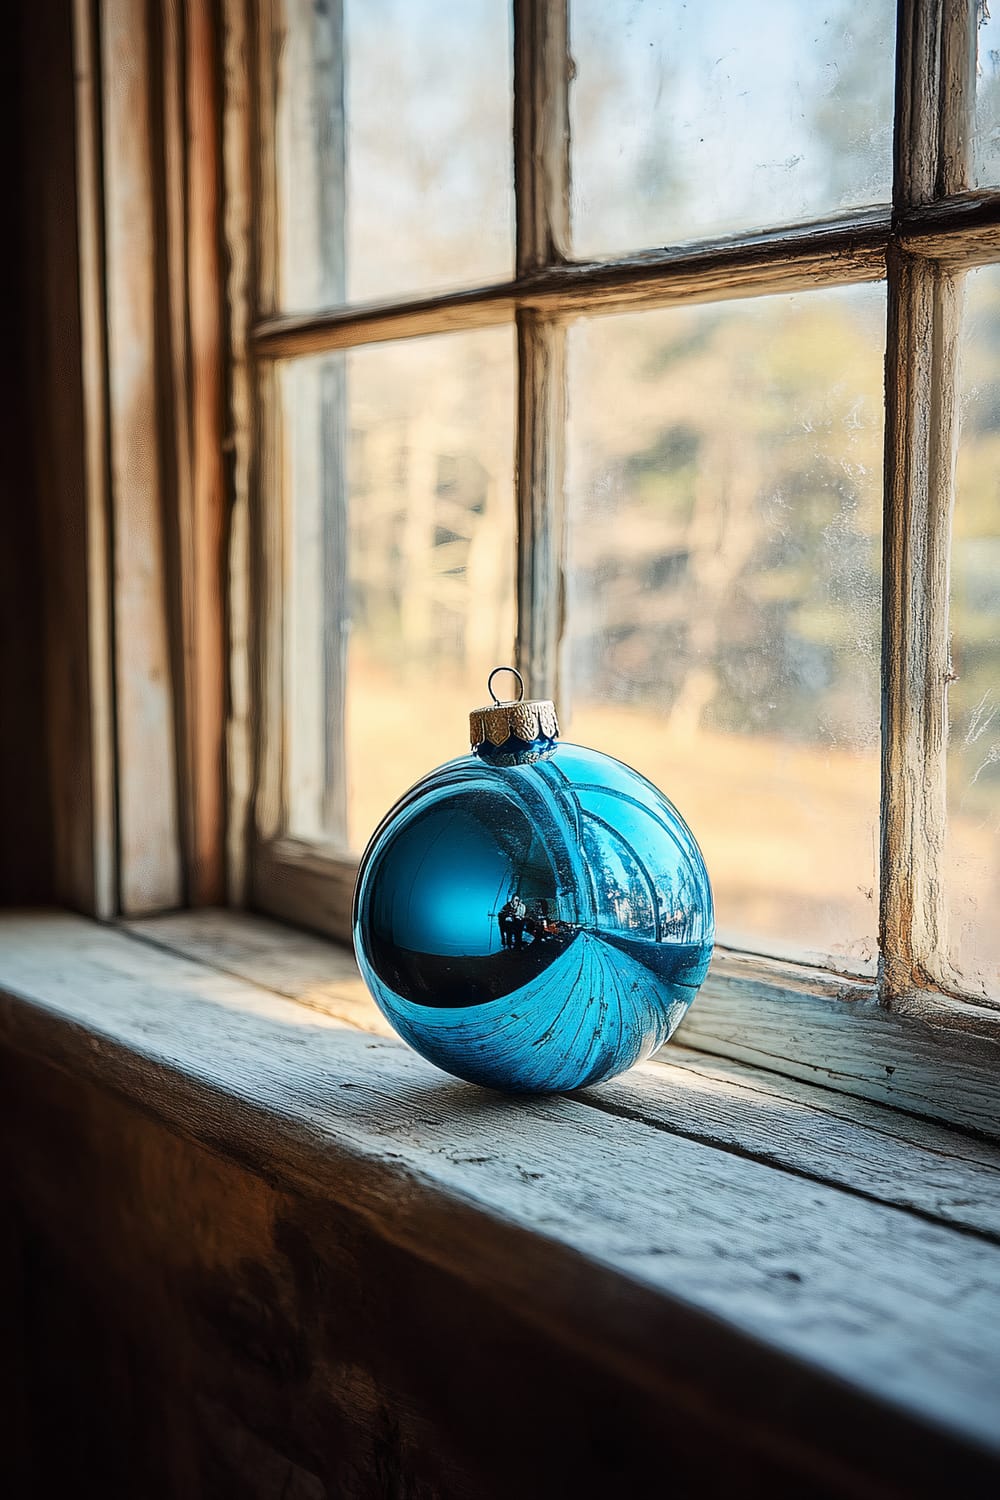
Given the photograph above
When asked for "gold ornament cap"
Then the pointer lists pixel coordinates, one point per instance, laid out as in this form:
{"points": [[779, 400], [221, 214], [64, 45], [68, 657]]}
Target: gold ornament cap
{"points": [[525, 719]]}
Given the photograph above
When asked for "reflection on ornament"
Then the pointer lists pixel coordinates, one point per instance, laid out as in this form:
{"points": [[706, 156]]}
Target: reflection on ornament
{"points": [[533, 916]]}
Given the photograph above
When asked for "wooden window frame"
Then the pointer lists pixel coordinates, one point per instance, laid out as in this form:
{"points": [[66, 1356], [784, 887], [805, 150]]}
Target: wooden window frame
{"points": [[935, 230]]}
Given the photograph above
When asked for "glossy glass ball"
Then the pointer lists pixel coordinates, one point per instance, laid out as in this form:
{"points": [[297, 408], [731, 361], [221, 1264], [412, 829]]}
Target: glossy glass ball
{"points": [[536, 926]]}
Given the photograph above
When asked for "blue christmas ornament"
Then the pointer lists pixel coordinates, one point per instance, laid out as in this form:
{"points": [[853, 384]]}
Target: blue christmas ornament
{"points": [[533, 916]]}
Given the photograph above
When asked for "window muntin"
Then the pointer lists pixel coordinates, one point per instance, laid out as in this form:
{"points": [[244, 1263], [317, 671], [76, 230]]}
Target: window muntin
{"points": [[924, 251], [694, 120]]}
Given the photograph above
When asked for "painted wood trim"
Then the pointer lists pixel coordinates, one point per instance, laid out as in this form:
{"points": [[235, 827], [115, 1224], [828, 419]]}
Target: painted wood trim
{"points": [[170, 167], [102, 845], [829, 253], [267, 542], [927, 1064], [867, 1148], [192, 420], [924, 329], [964, 229], [264, 43], [150, 872], [237, 447], [542, 69], [74, 507], [163, 288], [539, 487], [918, 78], [957, 96], [961, 231], [203, 672], [932, 146], [267, 547], [304, 885], [289, 335], [686, 1271]]}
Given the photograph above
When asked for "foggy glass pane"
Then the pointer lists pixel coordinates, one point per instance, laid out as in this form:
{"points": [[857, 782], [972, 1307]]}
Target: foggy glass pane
{"points": [[973, 850], [987, 145], [393, 144], [697, 119], [400, 597], [723, 624]]}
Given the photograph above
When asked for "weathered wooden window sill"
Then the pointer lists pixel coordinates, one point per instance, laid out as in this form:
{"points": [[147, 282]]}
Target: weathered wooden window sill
{"points": [[810, 1281]]}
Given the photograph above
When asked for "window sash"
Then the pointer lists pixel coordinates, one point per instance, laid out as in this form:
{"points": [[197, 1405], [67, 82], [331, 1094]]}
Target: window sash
{"points": [[934, 230]]}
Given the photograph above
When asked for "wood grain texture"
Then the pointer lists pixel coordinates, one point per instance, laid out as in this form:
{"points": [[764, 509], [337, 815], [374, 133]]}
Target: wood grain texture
{"points": [[93, 885], [921, 445], [238, 70], [57, 815], [267, 558], [539, 485], [302, 884], [870, 1149], [958, 232], [829, 253], [916, 136], [541, 132], [203, 675], [875, 1152], [939, 1060], [963, 228], [286, 335], [266, 38], [150, 875], [834, 1344], [747, 1011], [957, 124], [192, 421], [169, 166], [219, 1336], [298, 965]]}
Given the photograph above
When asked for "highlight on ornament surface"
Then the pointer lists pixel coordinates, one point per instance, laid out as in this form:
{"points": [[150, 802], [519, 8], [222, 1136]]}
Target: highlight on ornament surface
{"points": [[533, 916]]}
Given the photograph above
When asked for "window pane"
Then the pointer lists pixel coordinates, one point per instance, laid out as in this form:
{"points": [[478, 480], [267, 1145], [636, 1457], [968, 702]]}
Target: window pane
{"points": [[987, 150], [723, 594], [974, 699], [405, 590], [691, 120], [393, 143]]}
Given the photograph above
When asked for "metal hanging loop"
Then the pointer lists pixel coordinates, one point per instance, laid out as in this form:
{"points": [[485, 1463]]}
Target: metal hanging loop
{"points": [[520, 684]]}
